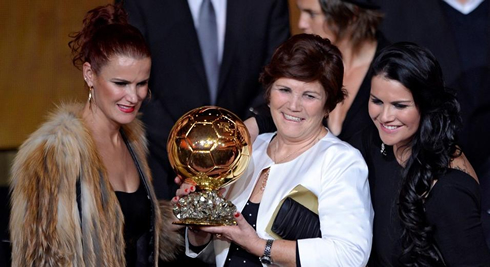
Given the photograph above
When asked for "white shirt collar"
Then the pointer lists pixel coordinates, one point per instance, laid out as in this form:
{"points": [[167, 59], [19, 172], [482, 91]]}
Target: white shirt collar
{"points": [[465, 8]]}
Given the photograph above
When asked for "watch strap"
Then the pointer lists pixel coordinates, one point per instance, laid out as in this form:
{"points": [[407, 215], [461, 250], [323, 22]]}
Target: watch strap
{"points": [[268, 247], [266, 257]]}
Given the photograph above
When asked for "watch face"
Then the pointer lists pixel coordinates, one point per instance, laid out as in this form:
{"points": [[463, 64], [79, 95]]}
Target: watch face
{"points": [[265, 260]]}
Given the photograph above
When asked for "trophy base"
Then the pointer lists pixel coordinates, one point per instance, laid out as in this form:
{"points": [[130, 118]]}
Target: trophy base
{"points": [[190, 222], [205, 208]]}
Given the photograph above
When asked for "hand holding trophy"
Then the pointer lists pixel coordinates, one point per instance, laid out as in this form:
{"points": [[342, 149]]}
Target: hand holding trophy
{"points": [[210, 148]]}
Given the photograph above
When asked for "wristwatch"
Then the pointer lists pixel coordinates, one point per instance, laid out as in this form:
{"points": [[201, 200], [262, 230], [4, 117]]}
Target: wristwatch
{"points": [[266, 258]]}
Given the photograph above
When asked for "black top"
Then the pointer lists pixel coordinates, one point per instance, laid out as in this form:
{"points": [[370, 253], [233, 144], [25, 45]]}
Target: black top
{"points": [[452, 208], [136, 208], [236, 255], [432, 24], [357, 116]]}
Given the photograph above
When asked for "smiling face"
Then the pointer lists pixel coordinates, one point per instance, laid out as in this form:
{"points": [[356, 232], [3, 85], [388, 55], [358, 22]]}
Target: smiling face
{"points": [[312, 19], [393, 111], [297, 108], [119, 88]]}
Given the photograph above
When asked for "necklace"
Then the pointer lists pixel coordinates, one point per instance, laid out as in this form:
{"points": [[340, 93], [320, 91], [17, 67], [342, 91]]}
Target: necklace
{"points": [[265, 178], [265, 173], [295, 151]]}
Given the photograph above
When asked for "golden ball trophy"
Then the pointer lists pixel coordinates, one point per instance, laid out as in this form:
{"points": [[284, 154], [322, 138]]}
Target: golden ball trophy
{"points": [[210, 148]]}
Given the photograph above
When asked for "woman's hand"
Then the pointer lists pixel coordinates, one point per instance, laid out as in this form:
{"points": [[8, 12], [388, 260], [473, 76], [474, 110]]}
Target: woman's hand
{"points": [[241, 234], [195, 236], [184, 189]]}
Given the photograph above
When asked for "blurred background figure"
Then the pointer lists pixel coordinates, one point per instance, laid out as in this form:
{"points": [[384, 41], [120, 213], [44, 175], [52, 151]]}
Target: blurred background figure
{"points": [[458, 33], [184, 76], [351, 25]]}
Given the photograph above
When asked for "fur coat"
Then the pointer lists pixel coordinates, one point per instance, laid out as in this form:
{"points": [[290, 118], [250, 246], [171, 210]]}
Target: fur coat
{"points": [[45, 224]]}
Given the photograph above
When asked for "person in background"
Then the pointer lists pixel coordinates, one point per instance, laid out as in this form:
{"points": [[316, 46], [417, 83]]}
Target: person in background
{"points": [[246, 33], [352, 26], [304, 84], [81, 192], [424, 190]]}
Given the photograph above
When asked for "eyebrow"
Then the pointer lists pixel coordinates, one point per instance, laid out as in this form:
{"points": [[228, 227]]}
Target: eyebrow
{"points": [[313, 12], [119, 80], [281, 85], [289, 87], [313, 92], [395, 102], [308, 10], [124, 80]]}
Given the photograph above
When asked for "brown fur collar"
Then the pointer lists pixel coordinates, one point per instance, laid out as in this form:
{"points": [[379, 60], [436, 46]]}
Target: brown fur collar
{"points": [[45, 223]]}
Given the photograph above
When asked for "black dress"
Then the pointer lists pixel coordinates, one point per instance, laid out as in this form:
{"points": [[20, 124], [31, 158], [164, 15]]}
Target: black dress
{"points": [[357, 116], [237, 256], [136, 208], [452, 208]]}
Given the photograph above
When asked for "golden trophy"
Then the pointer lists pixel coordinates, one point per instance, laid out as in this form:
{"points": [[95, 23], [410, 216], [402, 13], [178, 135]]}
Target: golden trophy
{"points": [[210, 148]]}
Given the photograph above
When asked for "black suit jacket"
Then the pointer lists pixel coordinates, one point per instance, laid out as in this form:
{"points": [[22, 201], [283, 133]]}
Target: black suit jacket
{"points": [[254, 28], [423, 22]]}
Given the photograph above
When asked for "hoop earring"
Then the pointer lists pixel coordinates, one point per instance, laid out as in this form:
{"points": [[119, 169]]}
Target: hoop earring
{"points": [[90, 94]]}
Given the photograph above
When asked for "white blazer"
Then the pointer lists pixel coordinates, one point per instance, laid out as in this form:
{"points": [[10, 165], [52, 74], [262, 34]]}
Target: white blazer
{"points": [[337, 174]]}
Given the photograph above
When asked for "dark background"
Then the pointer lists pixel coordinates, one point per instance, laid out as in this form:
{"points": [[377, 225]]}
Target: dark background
{"points": [[4, 218]]}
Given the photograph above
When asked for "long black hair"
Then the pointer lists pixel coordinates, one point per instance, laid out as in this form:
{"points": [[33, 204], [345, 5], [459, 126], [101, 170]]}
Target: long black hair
{"points": [[432, 147]]}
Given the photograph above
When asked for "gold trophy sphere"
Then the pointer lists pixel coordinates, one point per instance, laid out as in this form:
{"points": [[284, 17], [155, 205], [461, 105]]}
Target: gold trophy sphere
{"points": [[209, 147]]}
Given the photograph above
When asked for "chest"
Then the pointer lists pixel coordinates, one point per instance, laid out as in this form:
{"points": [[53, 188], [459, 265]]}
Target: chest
{"points": [[120, 167]]}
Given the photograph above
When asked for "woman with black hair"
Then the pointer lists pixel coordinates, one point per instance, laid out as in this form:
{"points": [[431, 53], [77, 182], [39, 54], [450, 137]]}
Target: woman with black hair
{"points": [[424, 191]]}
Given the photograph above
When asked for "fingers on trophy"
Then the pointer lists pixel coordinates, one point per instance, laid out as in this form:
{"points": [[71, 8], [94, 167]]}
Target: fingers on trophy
{"points": [[209, 147]]}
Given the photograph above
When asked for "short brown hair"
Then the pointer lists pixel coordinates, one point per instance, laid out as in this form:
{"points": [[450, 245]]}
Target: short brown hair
{"points": [[308, 58]]}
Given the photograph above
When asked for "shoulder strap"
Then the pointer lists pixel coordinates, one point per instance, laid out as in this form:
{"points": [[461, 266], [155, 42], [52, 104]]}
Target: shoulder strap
{"points": [[133, 156], [145, 180]]}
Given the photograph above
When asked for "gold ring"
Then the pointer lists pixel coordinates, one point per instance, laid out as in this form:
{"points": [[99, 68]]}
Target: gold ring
{"points": [[218, 235]]}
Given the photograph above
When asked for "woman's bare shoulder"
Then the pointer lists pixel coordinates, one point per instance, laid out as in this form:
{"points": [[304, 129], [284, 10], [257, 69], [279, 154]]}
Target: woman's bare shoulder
{"points": [[460, 162]]}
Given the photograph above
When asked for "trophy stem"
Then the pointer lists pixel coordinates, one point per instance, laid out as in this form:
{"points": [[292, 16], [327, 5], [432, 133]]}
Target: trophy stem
{"points": [[205, 208]]}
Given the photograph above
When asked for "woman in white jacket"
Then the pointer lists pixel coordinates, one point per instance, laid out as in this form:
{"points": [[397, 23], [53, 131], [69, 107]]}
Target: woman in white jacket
{"points": [[304, 84]]}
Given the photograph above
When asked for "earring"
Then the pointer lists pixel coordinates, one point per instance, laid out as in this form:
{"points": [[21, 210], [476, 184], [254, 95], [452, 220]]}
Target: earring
{"points": [[383, 149], [90, 94]]}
